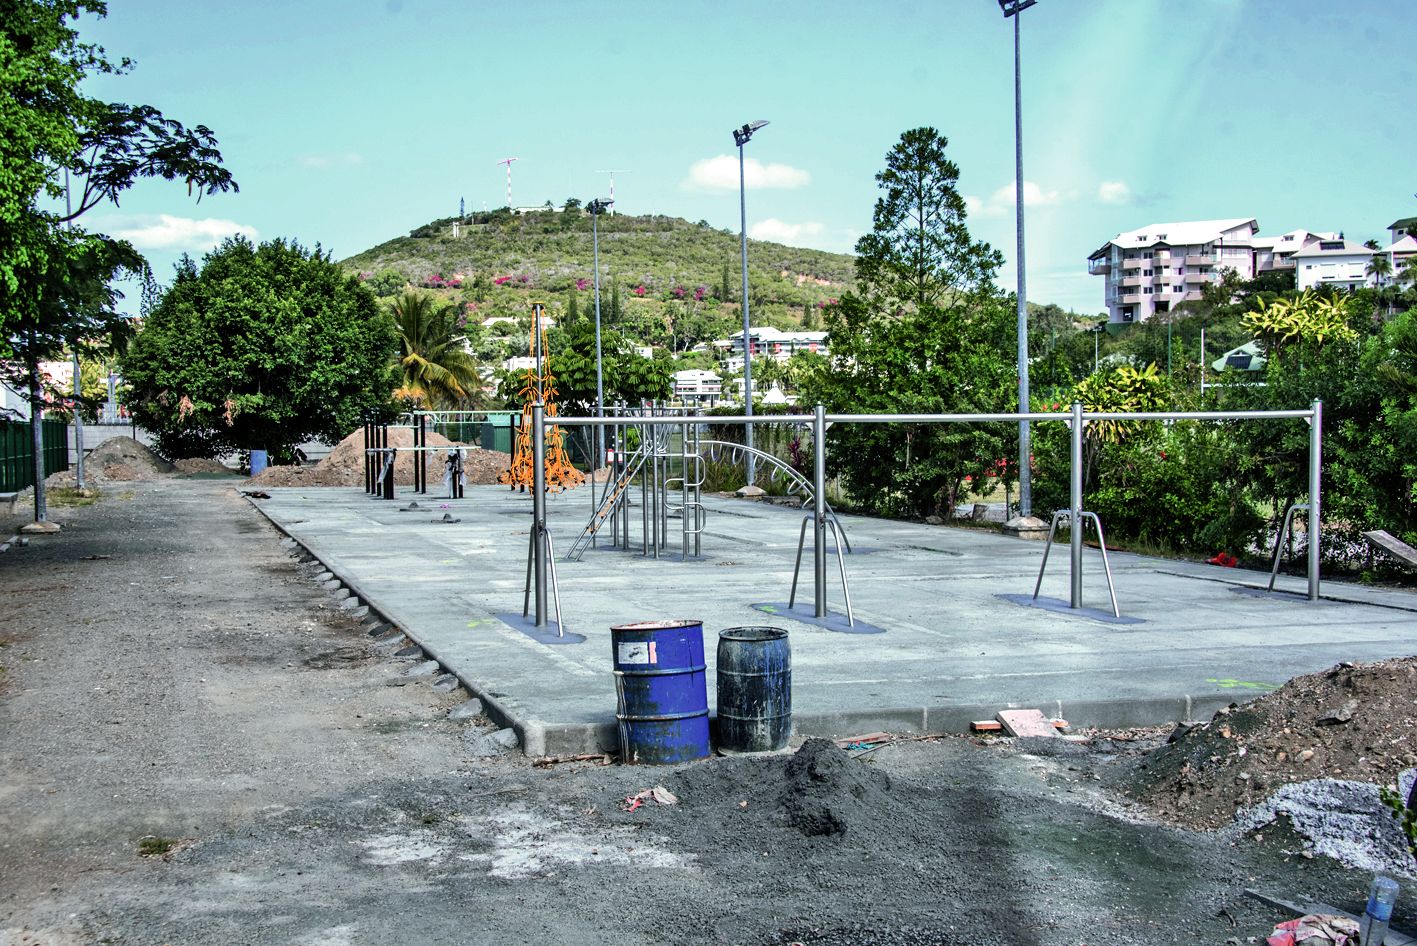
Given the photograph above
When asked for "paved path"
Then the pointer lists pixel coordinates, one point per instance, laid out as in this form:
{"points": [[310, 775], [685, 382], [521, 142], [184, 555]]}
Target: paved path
{"points": [[952, 649]]}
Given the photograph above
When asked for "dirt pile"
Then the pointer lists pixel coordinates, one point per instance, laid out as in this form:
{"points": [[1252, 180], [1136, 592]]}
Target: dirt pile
{"points": [[195, 466], [118, 459], [345, 464], [826, 792], [1352, 722]]}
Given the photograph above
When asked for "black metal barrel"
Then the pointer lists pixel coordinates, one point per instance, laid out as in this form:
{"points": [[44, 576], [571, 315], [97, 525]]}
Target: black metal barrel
{"points": [[754, 690]]}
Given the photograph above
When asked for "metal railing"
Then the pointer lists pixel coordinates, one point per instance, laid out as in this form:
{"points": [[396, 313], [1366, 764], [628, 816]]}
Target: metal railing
{"points": [[1077, 419]]}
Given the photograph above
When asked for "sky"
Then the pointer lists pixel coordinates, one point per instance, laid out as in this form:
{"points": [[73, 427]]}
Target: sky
{"points": [[350, 123]]}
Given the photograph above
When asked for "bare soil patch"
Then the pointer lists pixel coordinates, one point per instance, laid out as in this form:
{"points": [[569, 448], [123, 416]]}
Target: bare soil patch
{"points": [[1352, 722]]}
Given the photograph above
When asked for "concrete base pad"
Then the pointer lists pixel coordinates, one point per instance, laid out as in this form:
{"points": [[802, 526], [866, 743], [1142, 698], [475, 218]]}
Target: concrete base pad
{"points": [[832, 622], [39, 528], [550, 634], [1058, 605]]}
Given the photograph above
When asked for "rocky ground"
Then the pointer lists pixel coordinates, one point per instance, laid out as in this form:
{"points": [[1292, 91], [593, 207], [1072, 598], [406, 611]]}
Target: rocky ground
{"points": [[201, 746]]}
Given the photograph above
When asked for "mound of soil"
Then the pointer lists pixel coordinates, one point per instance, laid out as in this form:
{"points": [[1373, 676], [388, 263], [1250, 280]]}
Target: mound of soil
{"points": [[1353, 722], [118, 459], [345, 464], [201, 465], [826, 792]]}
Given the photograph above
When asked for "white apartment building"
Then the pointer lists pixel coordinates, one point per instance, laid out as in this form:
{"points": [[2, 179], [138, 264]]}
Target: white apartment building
{"points": [[774, 343], [1341, 263], [698, 386], [1159, 266]]}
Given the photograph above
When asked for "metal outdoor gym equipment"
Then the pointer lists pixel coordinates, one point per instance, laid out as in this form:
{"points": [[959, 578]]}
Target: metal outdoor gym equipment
{"points": [[541, 555], [651, 453], [539, 388]]}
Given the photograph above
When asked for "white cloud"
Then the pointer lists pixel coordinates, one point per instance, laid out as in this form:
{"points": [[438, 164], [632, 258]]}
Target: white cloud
{"points": [[721, 173], [1114, 192], [1002, 200], [779, 231], [181, 233], [323, 162]]}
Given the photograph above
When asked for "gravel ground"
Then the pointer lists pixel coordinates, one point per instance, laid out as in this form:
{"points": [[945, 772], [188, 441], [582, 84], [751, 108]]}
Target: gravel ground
{"points": [[173, 683]]}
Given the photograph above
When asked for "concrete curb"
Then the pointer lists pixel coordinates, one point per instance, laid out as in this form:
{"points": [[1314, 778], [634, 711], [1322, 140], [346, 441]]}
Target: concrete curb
{"points": [[532, 733]]}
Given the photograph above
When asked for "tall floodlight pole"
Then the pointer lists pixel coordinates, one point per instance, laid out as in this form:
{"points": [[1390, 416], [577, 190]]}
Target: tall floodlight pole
{"points": [[508, 163], [612, 172], [596, 208], [1012, 9], [740, 138]]}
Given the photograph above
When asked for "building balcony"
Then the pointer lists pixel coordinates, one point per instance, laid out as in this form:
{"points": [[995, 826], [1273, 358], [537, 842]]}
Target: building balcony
{"points": [[1129, 298], [1191, 296], [1133, 263], [1199, 278], [1132, 280], [1199, 259], [1099, 267]]}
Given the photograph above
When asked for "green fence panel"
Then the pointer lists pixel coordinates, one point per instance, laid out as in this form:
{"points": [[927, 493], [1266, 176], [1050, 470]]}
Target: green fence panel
{"points": [[17, 452]]}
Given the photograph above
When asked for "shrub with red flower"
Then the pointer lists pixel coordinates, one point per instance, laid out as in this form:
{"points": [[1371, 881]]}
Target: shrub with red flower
{"points": [[501, 280], [678, 292], [582, 284], [700, 292], [639, 290]]}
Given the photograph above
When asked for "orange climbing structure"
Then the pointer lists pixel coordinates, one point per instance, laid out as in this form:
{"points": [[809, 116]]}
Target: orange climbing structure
{"points": [[540, 385]]}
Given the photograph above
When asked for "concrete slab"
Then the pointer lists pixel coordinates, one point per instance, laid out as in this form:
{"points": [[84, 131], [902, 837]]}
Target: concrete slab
{"points": [[952, 650]]}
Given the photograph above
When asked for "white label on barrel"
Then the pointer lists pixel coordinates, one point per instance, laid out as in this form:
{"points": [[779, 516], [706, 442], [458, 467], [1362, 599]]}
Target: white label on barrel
{"points": [[635, 652]]}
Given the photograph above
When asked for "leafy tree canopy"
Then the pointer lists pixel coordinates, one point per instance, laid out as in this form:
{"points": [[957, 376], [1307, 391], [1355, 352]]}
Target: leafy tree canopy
{"points": [[263, 347], [928, 332]]}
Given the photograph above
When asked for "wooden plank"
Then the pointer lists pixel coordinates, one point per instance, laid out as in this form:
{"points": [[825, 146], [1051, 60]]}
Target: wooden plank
{"points": [[1026, 722], [1391, 544]]}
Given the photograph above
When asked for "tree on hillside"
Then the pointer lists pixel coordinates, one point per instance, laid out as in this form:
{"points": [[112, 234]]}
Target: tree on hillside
{"points": [[435, 369], [263, 347], [53, 275], [926, 332]]}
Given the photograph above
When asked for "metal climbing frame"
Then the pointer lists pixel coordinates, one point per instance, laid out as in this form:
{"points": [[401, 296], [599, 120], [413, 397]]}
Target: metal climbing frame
{"points": [[1285, 531], [1076, 526], [1077, 420]]}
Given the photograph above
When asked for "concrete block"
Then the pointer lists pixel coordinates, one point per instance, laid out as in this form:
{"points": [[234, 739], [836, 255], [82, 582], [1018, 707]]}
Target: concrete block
{"points": [[390, 644], [379, 629], [425, 669], [493, 744], [1026, 722], [469, 710], [447, 683], [413, 650], [322, 577], [339, 594], [351, 603], [331, 584]]}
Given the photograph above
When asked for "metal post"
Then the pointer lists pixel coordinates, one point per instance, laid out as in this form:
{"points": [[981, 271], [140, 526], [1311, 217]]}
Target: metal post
{"points": [[1075, 520], [78, 426], [819, 510], [599, 369], [538, 507], [1316, 441], [1025, 486], [747, 345], [366, 454]]}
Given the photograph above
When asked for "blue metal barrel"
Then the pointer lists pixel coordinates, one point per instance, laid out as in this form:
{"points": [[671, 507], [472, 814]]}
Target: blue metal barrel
{"points": [[754, 690], [661, 691]]}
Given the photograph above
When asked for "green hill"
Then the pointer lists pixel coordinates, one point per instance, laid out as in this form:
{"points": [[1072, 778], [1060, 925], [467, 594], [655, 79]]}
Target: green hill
{"points": [[676, 283]]}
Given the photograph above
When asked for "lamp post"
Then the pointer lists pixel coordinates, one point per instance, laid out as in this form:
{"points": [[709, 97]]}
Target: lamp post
{"points": [[596, 208], [1012, 9], [740, 138]]}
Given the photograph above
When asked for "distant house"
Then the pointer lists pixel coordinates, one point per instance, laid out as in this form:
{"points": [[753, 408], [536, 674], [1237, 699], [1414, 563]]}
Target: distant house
{"points": [[1248, 357], [698, 386], [1405, 227], [1339, 263], [772, 342]]}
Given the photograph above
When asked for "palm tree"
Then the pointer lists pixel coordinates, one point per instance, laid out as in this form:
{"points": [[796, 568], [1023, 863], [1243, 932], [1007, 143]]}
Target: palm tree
{"points": [[437, 368], [1380, 268]]}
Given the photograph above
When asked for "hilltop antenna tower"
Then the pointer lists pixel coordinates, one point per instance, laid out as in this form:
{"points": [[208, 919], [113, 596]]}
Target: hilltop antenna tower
{"points": [[508, 163], [612, 174]]}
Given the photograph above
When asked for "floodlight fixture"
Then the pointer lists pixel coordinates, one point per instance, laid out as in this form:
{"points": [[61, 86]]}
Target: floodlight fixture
{"points": [[598, 206], [741, 135], [1015, 7]]}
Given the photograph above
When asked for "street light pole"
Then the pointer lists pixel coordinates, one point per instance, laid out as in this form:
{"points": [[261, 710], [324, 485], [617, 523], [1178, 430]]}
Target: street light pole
{"points": [[596, 208], [1012, 9], [740, 138]]}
